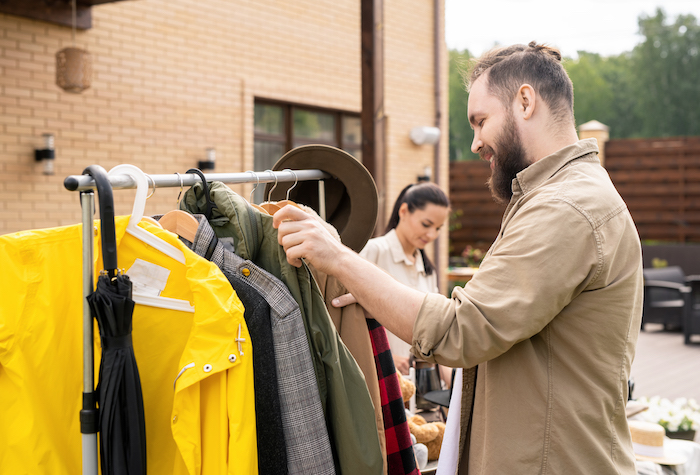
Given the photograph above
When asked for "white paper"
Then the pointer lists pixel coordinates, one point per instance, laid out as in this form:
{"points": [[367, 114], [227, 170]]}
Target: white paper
{"points": [[148, 278]]}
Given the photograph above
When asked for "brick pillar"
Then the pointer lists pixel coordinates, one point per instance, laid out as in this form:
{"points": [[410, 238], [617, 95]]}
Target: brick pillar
{"points": [[598, 131]]}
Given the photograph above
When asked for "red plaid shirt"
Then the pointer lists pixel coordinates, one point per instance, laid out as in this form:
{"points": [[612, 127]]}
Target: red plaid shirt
{"points": [[399, 450]]}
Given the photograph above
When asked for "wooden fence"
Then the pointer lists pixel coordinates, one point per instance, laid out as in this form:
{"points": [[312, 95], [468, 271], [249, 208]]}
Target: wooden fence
{"points": [[659, 179]]}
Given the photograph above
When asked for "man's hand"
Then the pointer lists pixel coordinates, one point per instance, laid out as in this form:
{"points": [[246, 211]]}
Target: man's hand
{"points": [[302, 236], [344, 300]]}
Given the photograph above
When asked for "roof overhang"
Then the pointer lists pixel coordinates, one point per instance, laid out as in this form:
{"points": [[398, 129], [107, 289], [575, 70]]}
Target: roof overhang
{"points": [[53, 11]]}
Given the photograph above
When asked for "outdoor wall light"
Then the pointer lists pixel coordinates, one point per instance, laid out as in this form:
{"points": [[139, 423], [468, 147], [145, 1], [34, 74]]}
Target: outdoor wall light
{"points": [[427, 174], [425, 135], [210, 161], [47, 154]]}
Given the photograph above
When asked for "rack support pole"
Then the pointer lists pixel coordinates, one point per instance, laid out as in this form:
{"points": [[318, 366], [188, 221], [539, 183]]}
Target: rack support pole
{"points": [[89, 413]]}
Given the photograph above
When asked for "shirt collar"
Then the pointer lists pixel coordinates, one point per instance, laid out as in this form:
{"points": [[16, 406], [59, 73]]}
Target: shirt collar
{"points": [[399, 256], [545, 168]]}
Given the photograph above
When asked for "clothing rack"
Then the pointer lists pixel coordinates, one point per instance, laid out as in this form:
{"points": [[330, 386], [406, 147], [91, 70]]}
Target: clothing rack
{"points": [[85, 184]]}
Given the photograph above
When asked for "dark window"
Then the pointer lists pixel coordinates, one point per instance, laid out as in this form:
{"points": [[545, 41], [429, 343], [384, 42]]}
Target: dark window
{"points": [[279, 127]]}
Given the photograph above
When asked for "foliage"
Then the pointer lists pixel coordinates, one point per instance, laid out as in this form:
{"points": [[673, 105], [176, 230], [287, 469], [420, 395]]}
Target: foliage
{"points": [[454, 223], [461, 134], [473, 256], [651, 91], [470, 256], [667, 68], [604, 91], [658, 263], [679, 415]]}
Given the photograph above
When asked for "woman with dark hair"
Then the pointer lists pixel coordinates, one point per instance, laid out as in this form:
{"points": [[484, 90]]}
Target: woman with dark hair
{"points": [[419, 213]]}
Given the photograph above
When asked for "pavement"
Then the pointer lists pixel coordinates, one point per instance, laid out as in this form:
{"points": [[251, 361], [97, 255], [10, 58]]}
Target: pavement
{"points": [[664, 366]]}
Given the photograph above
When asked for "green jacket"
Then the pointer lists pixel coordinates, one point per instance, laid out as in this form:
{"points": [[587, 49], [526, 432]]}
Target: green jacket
{"points": [[347, 405]]}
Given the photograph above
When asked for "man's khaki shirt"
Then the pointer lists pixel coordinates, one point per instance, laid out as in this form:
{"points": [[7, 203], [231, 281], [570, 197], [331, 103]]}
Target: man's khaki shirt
{"points": [[550, 324]]}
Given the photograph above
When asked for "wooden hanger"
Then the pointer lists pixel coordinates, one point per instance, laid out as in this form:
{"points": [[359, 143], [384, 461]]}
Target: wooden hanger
{"points": [[180, 222], [151, 220]]}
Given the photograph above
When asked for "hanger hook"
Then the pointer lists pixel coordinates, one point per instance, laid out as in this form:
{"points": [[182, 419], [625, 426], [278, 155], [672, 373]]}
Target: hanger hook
{"points": [[149, 177], [182, 186], [269, 195], [256, 184], [296, 180]]}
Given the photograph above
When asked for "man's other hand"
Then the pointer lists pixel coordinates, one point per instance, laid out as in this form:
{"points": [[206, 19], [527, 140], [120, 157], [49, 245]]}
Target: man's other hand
{"points": [[303, 237]]}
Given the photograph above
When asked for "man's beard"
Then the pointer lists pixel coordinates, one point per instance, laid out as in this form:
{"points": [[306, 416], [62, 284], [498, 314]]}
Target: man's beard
{"points": [[508, 163]]}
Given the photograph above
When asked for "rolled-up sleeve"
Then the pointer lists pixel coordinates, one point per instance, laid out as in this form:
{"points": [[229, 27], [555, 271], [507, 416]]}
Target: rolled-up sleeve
{"points": [[436, 315]]}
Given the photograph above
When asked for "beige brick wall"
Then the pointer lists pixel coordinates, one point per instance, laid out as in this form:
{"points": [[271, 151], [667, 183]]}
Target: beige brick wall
{"points": [[410, 99], [173, 77]]}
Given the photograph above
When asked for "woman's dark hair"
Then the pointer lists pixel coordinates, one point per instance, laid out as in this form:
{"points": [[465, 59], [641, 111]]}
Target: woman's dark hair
{"points": [[417, 196]]}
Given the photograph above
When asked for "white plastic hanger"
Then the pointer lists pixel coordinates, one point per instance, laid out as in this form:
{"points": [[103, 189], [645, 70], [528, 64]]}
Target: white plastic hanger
{"points": [[150, 239], [137, 213]]}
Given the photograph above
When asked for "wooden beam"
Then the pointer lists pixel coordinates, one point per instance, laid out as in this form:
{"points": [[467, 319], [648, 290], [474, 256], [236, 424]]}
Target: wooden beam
{"points": [[372, 116], [51, 11]]}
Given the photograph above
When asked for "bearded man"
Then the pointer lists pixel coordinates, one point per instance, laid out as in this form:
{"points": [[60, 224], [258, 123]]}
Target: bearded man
{"points": [[546, 329]]}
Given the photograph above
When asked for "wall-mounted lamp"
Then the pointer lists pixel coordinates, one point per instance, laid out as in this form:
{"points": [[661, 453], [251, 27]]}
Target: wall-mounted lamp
{"points": [[427, 174], [47, 154], [210, 162], [425, 135]]}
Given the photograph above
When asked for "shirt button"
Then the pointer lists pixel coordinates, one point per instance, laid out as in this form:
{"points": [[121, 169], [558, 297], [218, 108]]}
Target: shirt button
{"points": [[207, 368], [245, 271], [174, 419], [232, 358]]}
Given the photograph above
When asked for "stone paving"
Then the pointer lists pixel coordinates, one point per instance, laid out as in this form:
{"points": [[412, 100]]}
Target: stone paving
{"points": [[664, 366]]}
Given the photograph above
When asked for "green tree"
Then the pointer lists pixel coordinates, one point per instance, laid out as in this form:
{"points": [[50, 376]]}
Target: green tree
{"points": [[666, 66], [461, 134], [604, 90], [592, 92]]}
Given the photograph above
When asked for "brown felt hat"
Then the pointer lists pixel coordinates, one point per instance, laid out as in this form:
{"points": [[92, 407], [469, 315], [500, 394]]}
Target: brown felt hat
{"points": [[351, 194]]}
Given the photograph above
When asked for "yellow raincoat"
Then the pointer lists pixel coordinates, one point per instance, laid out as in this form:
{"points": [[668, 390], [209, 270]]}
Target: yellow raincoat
{"points": [[200, 422]]}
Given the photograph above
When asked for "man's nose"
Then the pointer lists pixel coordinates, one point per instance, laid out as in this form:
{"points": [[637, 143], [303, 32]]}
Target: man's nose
{"points": [[476, 143]]}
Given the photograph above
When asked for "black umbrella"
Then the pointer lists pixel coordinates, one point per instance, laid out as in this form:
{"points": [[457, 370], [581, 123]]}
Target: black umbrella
{"points": [[121, 416]]}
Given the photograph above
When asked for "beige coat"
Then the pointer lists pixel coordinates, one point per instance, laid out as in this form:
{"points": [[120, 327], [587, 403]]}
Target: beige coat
{"points": [[549, 325]]}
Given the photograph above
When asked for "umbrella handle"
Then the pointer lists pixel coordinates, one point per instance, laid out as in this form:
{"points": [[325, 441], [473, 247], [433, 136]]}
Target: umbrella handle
{"points": [[106, 202], [210, 204]]}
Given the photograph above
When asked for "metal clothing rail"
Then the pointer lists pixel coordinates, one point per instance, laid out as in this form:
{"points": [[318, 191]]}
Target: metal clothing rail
{"points": [[85, 184], [119, 182]]}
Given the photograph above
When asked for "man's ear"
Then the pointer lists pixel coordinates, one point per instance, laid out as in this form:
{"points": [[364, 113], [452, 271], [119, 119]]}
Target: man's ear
{"points": [[526, 101]]}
